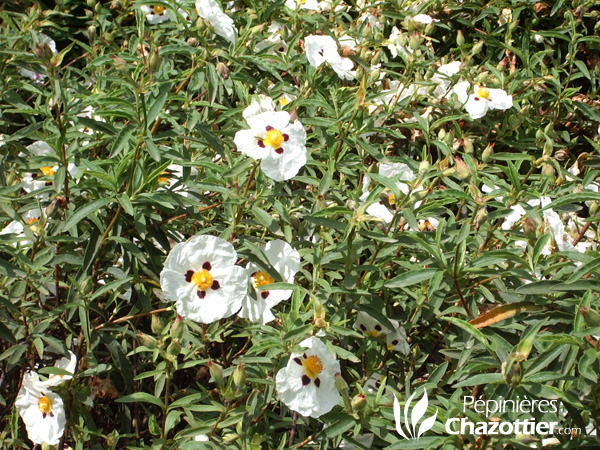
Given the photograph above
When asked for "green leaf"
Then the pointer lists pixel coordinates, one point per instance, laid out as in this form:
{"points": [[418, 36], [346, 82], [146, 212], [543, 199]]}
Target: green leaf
{"points": [[482, 378], [158, 103], [473, 332], [143, 397], [85, 211], [412, 277], [122, 140]]}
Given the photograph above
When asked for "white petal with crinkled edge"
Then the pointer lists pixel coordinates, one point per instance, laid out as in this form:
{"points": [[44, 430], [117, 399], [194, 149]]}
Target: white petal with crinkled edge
{"points": [[223, 25], [281, 167], [476, 107], [309, 400], [316, 47], [276, 119], [69, 364], [499, 99], [205, 248], [246, 142], [40, 429]]}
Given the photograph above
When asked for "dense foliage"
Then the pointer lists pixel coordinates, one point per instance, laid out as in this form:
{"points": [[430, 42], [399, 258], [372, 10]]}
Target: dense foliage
{"points": [[441, 187]]}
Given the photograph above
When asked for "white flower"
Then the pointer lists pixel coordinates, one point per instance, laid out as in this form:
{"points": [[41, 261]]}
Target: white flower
{"points": [[280, 145], [396, 43], [443, 78], [399, 172], [302, 4], [274, 43], [258, 106], [201, 438], [286, 261], [482, 99], [320, 49], [223, 25], [67, 364], [307, 383], [159, 14], [200, 275], [36, 75], [171, 177], [423, 18], [42, 411], [30, 218], [371, 21], [395, 339], [31, 181]]}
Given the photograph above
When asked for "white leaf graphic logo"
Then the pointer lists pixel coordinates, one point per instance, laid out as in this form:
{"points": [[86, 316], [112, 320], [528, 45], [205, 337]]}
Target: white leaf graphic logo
{"points": [[416, 414]]}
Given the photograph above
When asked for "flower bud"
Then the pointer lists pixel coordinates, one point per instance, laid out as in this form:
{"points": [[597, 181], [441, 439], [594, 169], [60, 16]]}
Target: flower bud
{"points": [[156, 324], [108, 37], [593, 207], [413, 41], [548, 171], [120, 64], [480, 217], [462, 170], [468, 146], [223, 69], [429, 29], [177, 328], [448, 172], [239, 376], [359, 403], [590, 317], [216, 372], [529, 227], [424, 167], [477, 48], [91, 32], [147, 340], [548, 147], [460, 38], [487, 153], [154, 61], [340, 383]]}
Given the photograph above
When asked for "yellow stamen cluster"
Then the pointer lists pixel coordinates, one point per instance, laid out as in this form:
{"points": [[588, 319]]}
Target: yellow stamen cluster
{"points": [[32, 220], [313, 366], [48, 171], [373, 333], [274, 139], [283, 101], [45, 404], [159, 9], [483, 93], [262, 279], [203, 279]]}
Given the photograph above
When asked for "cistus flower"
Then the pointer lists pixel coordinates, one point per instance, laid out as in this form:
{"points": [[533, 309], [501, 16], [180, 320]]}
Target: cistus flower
{"points": [[399, 172], [302, 4], [320, 49], [482, 99], [280, 144], [67, 364], [307, 383], [395, 338], [159, 14], [258, 303], [201, 277], [42, 411], [274, 43], [223, 25]]}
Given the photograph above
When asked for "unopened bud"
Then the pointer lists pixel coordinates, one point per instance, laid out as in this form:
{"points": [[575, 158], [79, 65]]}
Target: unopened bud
{"points": [[429, 29], [91, 32], [340, 383], [462, 170], [548, 171], [424, 167], [108, 37], [120, 64], [223, 70], [413, 42], [460, 38], [147, 340], [177, 327], [156, 325], [590, 317], [468, 145], [216, 372], [477, 48], [154, 61], [448, 172], [487, 154], [529, 227], [481, 217], [359, 403], [239, 376], [548, 147], [593, 207]]}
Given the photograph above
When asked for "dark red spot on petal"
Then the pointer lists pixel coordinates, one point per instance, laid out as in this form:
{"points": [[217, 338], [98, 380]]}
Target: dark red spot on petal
{"points": [[206, 266], [305, 380], [286, 137], [298, 361], [201, 294], [268, 128], [378, 327], [317, 382], [261, 144], [264, 294], [188, 276], [362, 327], [394, 343], [216, 285], [279, 151], [477, 99]]}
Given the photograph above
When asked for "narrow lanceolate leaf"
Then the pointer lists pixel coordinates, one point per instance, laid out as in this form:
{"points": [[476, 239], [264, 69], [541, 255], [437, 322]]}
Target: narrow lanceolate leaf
{"points": [[86, 210], [413, 277], [141, 397], [503, 312]]}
